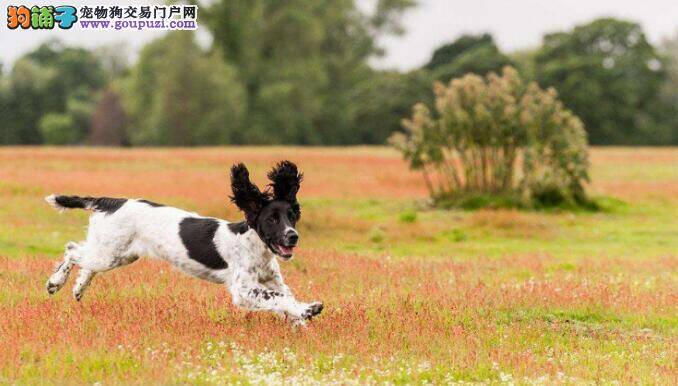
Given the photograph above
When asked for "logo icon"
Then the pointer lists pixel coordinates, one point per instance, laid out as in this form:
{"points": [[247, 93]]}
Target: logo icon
{"points": [[44, 17]]}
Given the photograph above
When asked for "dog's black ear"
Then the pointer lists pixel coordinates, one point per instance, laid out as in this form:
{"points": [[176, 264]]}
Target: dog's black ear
{"points": [[285, 180], [246, 195]]}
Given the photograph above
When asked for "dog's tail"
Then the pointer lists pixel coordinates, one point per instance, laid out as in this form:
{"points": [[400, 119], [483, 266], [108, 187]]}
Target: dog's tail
{"points": [[103, 204]]}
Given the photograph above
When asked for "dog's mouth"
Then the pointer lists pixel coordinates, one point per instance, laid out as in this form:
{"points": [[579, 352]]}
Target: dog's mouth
{"points": [[283, 251]]}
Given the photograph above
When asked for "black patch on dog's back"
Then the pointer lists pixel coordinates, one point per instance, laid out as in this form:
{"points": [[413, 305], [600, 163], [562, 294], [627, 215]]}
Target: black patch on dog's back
{"points": [[238, 228], [197, 235], [151, 203], [109, 205]]}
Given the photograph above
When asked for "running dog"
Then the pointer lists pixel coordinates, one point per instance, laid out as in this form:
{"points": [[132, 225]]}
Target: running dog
{"points": [[239, 255]]}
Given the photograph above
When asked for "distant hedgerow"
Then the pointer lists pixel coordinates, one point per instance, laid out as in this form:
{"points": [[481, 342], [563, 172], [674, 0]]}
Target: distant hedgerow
{"points": [[497, 136]]}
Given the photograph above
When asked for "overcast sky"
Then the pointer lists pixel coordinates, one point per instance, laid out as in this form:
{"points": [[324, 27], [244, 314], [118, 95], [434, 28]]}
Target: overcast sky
{"points": [[515, 24]]}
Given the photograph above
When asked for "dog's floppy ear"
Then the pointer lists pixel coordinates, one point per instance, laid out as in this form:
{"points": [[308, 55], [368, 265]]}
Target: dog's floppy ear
{"points": [[246, 195], [285, 180]]}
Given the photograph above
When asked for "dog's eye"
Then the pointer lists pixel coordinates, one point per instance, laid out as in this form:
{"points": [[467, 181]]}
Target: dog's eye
{"points": [[272, 220]]}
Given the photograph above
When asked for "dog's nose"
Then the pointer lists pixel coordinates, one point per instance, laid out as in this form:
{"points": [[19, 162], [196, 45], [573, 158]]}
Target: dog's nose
{"points": [[292, 237]]}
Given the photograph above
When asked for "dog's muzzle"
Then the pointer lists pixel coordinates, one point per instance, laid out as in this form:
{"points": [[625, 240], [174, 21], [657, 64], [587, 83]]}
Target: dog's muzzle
{"points": [[286, 248]]}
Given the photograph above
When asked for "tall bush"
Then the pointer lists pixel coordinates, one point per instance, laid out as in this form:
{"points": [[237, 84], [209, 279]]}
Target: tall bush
{"points": [[498, 136]]}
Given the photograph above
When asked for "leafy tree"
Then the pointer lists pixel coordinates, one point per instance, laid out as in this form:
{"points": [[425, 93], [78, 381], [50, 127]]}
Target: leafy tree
{"points": [[114, 59], [108, 121], [52, 79], [179, 95], [476, 54], [76, 72], [24, 102], [299, 62], [609, 75], [525, 62], [669, 93], [449, 52], [499, 136], [80, 107], [58, 129], [4, 109], [384, 98], [669, 50]]}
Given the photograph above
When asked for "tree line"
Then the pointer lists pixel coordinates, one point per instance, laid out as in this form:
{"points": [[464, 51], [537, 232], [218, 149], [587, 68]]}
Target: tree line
{"points": [[298, 72]]}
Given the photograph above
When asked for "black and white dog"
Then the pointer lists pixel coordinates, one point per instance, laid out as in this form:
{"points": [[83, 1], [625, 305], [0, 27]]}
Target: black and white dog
{"points": [[239, 255]]}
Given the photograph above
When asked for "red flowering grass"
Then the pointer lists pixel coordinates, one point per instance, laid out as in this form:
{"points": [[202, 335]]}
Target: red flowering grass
{"points": [[201, 175], [598, 316], [435, 311]]}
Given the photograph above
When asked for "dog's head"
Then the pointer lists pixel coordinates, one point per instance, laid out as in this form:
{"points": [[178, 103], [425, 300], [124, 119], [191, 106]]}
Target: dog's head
{"points": [[273, 215]]}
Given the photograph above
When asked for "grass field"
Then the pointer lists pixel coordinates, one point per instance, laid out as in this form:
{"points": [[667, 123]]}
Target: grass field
{"points": [[411, 295]]}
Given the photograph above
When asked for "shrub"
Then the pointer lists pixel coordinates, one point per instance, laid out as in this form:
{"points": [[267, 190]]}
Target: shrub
{"points": [[58, 129], [497, 137]]}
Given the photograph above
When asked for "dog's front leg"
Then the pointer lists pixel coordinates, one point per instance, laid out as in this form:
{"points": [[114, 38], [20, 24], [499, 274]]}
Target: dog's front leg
{"points": [[274, 281], [248, 293]]}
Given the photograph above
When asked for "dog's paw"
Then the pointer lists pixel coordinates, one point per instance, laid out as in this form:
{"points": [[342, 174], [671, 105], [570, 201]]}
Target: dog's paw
{"points": [[299, 324], [312, 310], [52, 288]]}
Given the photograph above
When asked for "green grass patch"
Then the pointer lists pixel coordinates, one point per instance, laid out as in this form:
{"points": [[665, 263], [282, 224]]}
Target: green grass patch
{"points": [[549, 201], [408, 216]]}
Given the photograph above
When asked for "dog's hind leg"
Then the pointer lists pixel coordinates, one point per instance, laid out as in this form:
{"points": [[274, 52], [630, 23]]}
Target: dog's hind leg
{"points": [[91, 265], [63, 269], [85, 277], [89, 269]]}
